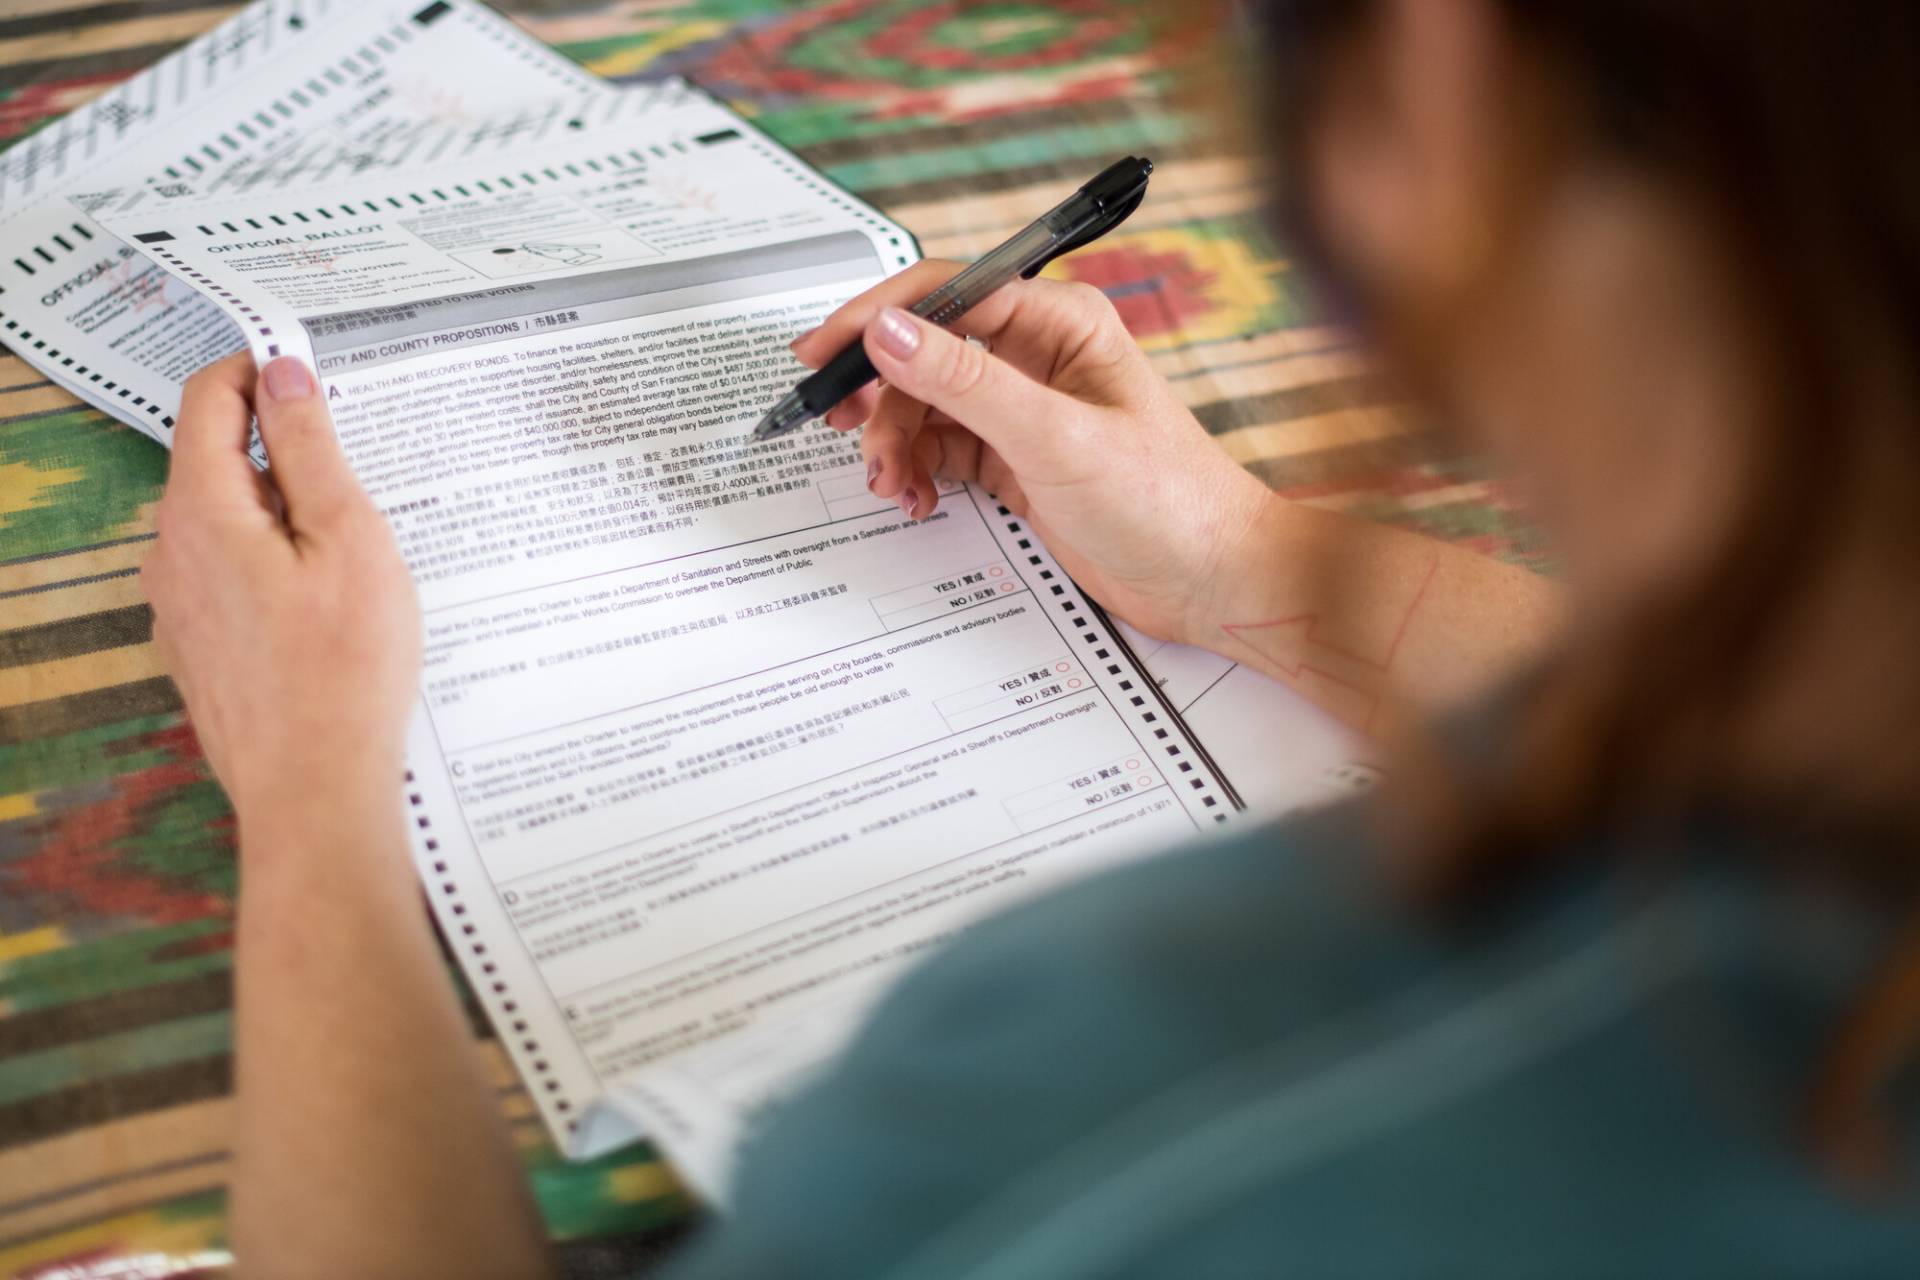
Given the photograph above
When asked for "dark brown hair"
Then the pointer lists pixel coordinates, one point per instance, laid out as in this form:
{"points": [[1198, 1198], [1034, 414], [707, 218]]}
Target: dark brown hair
{"points": [[1790, 125]]}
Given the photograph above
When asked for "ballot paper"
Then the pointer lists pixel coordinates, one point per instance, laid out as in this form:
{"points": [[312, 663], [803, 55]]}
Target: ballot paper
{"points": [[282, 80], [1279, 752], [712, 742]]}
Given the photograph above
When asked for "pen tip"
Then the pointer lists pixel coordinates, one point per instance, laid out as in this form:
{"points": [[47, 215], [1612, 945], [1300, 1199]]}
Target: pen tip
{"points": [[786, 416]]}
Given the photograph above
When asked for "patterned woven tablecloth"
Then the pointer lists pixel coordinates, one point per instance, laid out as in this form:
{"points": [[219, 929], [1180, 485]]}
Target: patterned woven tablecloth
{"points": [[116, 847]]}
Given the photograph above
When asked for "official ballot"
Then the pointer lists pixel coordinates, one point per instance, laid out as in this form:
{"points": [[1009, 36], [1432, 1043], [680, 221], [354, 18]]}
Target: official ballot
{"points": [[711, 741]]}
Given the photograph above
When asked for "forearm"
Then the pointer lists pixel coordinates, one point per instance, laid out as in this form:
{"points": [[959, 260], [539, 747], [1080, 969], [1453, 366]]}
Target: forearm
{"points": [[1367, 620], [369, 1142]]}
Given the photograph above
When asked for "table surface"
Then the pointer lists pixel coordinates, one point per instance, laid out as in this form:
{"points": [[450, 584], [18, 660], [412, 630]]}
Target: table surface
{"points": [[116, 846]]}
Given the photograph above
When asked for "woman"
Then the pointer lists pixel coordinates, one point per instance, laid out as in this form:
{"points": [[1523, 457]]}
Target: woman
{"points": [[1621, 981]]}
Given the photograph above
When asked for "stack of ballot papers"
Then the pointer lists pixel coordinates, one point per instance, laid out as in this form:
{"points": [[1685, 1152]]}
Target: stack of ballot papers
{"points": [[711, 742]]}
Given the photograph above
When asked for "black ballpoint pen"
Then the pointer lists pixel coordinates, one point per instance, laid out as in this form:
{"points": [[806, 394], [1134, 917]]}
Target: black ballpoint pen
{"points": [[1081, 218]]}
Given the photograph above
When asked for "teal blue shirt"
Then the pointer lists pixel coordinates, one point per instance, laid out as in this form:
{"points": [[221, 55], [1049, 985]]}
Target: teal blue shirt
{"points": [[1246, 1059]]}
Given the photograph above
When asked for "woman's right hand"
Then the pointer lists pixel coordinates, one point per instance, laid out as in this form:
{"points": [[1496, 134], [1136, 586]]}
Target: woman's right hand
{"points": [[1065, 422]]}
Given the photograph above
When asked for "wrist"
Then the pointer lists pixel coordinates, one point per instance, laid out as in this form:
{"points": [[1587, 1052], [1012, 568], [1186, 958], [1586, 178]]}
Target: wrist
{"points": [[310, 765], [1243, 552], [309, 862], [353, 803]]}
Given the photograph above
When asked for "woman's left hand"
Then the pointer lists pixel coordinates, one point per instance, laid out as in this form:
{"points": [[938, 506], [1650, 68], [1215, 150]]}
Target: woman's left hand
{"points": [[281, 604]]}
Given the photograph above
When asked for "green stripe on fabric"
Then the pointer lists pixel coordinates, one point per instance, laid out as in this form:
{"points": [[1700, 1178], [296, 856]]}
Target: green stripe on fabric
{"points": [[102, 1101], [28, 1075], [1050, 146], [90, 754], [67, 551], [904, 135], [125, 961], [197, 1206], [1515, 540], [121, 1011], [88, 478], [188, 842], [577, 1197]]}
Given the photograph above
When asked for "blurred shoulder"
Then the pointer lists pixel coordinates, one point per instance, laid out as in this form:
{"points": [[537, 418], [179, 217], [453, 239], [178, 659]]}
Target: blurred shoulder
{"points": [[1246, 1046], [1042, 1024]]}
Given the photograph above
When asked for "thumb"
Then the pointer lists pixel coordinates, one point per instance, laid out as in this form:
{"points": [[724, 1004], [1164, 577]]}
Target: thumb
{"points": [[306, 460], [1028, 423]]}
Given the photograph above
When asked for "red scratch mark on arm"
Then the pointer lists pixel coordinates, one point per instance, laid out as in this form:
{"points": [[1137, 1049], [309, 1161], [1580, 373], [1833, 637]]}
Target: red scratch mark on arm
{"points": [[1338, 675], [1307, 627], [1420, 593]]}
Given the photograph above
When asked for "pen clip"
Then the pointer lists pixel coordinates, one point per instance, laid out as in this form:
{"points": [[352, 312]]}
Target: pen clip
{"points": [[1118, 215]]}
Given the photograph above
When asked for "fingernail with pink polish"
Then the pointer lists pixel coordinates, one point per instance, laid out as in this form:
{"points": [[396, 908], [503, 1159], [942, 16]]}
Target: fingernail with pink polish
{"points": [[899, 336], [287, 379], [909, 499], [874, 469]]}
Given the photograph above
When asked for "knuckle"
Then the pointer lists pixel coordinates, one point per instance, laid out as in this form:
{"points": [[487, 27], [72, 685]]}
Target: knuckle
{"points": [[1109, 348], [1104, 330], [1091, 300], [966, 368]]}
